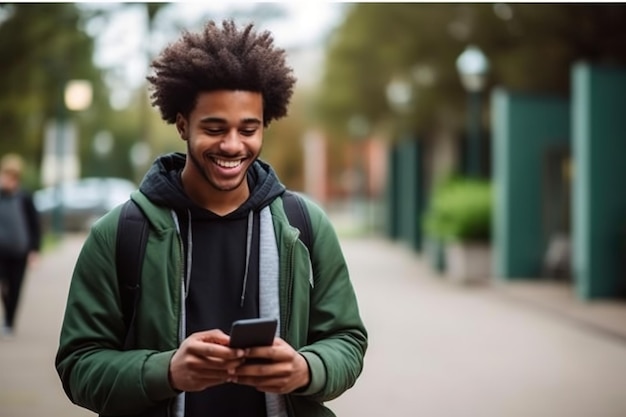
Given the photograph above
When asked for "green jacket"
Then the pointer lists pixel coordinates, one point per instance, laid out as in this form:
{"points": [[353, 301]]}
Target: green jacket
{"points": [[320, 319]]}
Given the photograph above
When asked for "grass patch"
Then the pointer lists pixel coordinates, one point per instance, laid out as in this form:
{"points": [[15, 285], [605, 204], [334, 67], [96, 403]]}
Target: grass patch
{"points": [[50, 241]]}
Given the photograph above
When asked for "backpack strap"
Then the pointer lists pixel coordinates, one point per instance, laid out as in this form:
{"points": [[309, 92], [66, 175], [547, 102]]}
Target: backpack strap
{"points": [[132, 237], [298, 216]]}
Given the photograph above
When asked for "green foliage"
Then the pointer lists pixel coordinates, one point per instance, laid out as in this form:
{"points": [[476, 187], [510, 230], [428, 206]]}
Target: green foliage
{"points": [[460, 209], [42, 46], [376, 42], [531, 48]]}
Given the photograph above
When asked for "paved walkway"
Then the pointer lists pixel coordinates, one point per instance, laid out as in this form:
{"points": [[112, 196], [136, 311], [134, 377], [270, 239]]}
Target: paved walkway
{"points": [[436, 349], [30, 385]]}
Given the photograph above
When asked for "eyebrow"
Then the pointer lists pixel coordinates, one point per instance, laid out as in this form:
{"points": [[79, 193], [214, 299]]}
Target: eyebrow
{"points": [[248, 120]]}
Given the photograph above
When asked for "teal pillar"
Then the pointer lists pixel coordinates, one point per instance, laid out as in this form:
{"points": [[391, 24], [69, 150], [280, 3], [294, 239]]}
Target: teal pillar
{"points": [[523, 128], [410, 192], [392, 193], [599, 221]]}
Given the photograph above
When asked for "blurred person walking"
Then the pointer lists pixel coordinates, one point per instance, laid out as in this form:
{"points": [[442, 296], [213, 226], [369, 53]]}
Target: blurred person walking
{"points": [[20, 236], [220, 248]]}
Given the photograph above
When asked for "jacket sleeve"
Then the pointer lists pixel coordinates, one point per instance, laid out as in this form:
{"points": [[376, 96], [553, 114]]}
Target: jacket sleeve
{"points": [[95, 372], [337, 335]]}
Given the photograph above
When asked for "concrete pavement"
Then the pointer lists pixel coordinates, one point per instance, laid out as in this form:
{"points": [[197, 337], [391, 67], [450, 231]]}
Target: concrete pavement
{"points": [[30, 385], [436, 349]]}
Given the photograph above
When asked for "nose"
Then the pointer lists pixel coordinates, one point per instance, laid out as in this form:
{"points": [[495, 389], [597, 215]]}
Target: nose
{"points": [[231, 143]]}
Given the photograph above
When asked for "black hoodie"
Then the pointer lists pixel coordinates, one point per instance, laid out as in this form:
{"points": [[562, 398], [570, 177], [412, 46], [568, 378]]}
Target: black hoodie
{"points": [[218, 290]]}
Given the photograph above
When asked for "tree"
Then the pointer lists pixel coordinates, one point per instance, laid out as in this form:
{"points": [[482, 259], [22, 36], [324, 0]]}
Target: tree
{"points": [[42, 47], [531, 48]]}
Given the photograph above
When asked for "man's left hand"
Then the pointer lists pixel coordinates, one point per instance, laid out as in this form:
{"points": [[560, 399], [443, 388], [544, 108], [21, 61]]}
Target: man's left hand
{"points": [[285, 371]]}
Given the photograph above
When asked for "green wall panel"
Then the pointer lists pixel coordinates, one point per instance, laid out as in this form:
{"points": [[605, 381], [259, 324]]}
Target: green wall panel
{"points": [[392, 193], [524, 127], [599, 134], [409, 197]]}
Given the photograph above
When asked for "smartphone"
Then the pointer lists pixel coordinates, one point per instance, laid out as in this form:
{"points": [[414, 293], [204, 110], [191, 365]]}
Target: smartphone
{"points": [[253, 332]]}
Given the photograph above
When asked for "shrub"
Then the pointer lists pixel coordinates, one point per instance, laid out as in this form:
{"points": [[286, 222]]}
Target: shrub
{"points": [[460, 209]]}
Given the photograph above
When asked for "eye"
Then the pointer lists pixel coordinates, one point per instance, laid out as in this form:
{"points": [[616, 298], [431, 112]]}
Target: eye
{"points": [[247, 132], [214, 131]]}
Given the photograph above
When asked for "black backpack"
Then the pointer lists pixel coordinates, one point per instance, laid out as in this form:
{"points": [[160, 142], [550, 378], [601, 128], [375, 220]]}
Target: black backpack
{"points": [[132, 236]]}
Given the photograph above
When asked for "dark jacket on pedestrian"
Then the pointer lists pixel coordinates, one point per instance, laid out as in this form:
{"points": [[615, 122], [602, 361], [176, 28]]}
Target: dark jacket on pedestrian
{"points": [[31, 223], [311, 294]]}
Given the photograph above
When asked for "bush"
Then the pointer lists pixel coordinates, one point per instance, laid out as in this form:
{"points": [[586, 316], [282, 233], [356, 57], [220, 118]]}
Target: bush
{"points": [[460, 210]]}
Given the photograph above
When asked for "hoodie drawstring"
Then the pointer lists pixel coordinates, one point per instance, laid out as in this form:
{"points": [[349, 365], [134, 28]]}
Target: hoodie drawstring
{"points": [[248, 249], [189, 252]]}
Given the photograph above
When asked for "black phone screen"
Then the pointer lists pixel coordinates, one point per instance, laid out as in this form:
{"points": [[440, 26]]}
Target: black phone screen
{"points": [[253, 332]]}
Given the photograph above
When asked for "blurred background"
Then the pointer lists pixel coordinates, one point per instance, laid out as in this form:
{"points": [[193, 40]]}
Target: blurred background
{"points": [[431, 124], [486, 140]]}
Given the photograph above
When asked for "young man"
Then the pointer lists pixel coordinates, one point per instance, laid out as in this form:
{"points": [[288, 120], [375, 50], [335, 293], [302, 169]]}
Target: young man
{"points": [[220, 248], [20, 237]]}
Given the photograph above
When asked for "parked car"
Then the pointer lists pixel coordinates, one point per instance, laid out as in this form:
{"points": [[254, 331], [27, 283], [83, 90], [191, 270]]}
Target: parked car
{"points": [[80, 203]]}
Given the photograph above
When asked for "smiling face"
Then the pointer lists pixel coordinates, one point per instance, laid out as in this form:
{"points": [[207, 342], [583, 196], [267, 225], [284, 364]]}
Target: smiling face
{"points": [[224, 134]]}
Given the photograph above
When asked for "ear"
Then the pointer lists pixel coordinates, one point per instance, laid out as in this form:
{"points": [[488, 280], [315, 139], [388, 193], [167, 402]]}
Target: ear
{"points": [[182, 127]]}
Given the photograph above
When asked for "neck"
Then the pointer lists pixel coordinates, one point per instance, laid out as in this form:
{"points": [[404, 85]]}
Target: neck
{"points": [[224, 202], [220, 202]]}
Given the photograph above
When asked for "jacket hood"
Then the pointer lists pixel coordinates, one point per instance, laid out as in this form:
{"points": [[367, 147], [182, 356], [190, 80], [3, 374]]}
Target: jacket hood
{"points": [[163, 186]]}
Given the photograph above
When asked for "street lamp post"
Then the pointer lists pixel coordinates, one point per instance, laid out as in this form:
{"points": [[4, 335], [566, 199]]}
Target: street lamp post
{"points": [[102, 146], [473, 67], [358, 127], [139, 156], [77, 96], [405, 178], [400, 95]]}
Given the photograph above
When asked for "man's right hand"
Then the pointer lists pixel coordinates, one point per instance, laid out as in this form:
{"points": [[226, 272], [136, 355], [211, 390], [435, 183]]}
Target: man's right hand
{"points": [[204, 360]]}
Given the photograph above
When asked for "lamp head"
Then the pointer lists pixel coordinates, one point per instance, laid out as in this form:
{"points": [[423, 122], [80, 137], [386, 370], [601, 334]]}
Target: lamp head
{"points": [[473, 67]]}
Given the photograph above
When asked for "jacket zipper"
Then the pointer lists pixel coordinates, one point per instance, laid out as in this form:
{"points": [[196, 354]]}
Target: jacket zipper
{"points": [[180, 296]]}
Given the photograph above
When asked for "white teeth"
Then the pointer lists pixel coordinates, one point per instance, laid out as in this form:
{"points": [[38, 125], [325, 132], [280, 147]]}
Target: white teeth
{"points": [[227, 164]]}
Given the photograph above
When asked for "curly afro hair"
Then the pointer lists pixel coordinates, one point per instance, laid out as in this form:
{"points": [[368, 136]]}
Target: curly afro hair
{"points": [[224, 58]]}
